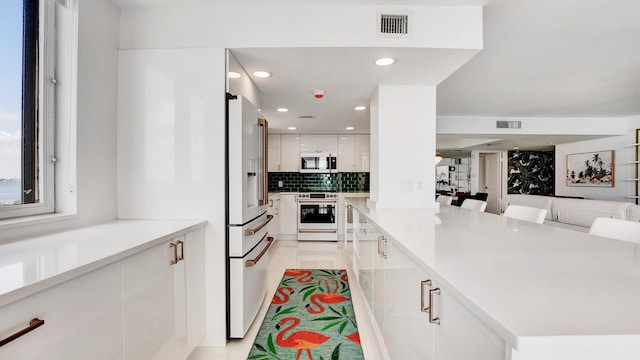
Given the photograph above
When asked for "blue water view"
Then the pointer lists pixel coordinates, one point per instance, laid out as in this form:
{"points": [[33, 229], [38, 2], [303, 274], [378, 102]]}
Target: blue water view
{"points": [[9, 192]]}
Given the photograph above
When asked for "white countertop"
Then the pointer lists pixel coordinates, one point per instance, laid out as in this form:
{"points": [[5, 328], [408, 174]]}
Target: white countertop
{"points": [[524, 280], [32, 265]]}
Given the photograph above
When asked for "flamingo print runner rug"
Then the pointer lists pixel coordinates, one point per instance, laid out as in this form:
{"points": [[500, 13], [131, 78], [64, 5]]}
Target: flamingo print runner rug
{"points": [[310, 317]]}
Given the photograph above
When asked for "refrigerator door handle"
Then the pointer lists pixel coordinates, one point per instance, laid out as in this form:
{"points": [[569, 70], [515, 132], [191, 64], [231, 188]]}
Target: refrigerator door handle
{"points": [[255, 230], [264, 125], [253, 262]]}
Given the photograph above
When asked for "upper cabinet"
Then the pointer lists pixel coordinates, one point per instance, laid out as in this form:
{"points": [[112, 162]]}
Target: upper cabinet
{"points": [[290, 152], [285, 149], [318, 143], [284, 153], [274, 161], [353, 153]]}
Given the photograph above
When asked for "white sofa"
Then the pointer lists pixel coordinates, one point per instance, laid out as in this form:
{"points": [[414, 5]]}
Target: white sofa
{"points": [[576, 214]]}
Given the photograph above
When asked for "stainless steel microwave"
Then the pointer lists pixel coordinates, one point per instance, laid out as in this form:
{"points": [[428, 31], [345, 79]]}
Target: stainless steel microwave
{"points": [[318, 163]]}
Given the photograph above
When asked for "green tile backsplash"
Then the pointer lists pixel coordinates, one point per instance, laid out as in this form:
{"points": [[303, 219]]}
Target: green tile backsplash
{"points": [[340, 182]]}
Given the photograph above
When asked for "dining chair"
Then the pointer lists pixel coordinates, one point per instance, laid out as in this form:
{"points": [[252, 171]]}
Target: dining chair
{"points": [[525, 213], [444, 199], [618, 229], [473, 204]]}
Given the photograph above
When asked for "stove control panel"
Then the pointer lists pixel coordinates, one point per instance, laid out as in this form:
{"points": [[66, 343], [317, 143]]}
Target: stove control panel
{"points": [[318, 196]]}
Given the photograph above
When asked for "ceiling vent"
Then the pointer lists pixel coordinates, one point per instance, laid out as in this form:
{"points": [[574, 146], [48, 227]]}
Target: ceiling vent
{"points": [[306, 117], [395, 24], [508, 124]]}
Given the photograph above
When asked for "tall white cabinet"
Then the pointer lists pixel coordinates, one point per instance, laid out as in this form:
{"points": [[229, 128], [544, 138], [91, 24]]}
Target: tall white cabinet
{"points": [[353, 153]]}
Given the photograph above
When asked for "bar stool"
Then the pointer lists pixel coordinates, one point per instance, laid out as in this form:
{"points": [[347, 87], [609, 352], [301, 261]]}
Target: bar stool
{"points": [[473, 204], [525, 213]]}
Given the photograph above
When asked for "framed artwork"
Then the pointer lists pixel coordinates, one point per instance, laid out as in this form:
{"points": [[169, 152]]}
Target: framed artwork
{"points": [[593, 169]]}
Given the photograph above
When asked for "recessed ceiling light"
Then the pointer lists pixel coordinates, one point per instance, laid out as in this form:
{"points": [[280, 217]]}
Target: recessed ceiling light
{"points": [[516, 148], [234, 75], [291, 128], [349, 128], [282, 109], [386, 61], [262, 74], [360, 108], [344, 138]]}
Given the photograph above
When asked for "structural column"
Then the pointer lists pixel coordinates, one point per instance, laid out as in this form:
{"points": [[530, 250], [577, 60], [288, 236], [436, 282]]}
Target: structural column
{"points": [[403, 146]]}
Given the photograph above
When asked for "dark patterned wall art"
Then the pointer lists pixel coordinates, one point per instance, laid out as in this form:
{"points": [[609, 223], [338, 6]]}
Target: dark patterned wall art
{"points": [[531, 172]]}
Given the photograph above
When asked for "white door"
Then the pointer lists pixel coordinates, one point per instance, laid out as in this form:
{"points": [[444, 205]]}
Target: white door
{"points": [[492, 183]]}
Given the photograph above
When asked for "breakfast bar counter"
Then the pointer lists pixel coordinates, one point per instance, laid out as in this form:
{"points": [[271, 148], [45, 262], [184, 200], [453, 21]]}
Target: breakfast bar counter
{"points": [[547, 292]]}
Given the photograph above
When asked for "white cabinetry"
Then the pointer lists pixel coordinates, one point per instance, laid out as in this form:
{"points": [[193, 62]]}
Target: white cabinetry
{"points": [[290, 153], [273, 153], [288, 216], [274, 210], [345, 223], [83, 320], [392, 280], [163, 299], [353, 153], [318, 143], [284, 153]]}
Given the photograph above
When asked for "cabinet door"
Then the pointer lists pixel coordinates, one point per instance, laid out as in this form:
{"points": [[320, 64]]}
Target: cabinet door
{"points": [[82, 319], [362, 151], [403, 313], [346, 153], [290, 153], [461, 335], [149, 303], [274, 210], [288, 214], [319, 143], [194, 263], [274, 162]]}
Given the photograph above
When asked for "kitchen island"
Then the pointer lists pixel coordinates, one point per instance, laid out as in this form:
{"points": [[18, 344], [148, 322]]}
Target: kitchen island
{"points": [[537, 291]]}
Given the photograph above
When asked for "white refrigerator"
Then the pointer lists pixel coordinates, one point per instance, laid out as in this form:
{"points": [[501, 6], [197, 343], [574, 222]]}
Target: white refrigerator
{"points": [[248, 241]]}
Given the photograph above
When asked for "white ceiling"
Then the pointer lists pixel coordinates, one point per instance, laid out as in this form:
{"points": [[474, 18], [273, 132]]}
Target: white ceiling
{"points": [[542, 58]]}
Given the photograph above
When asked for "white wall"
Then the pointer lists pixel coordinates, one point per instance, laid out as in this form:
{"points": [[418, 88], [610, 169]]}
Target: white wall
{"points": [[256, 25], [86, 126], [622, 169], [403, 146], [171, 146], [531, 126]]}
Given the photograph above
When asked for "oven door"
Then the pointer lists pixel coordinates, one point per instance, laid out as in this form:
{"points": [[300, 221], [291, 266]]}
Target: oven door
{"points": [[317, 220]]}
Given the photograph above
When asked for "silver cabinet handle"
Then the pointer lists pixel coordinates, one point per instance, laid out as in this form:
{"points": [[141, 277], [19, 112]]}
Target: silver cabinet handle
{"points": [[253, 262], [382, 250], [432, 319], [424, 283], [317, 231], [255, 230]]}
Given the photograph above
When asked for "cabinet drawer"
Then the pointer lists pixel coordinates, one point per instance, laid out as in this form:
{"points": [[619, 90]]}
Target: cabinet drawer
{"points": [[83, 320]]}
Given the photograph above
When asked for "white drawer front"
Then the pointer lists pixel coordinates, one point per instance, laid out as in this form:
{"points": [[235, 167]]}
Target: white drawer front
{"points": [[83, 320]]}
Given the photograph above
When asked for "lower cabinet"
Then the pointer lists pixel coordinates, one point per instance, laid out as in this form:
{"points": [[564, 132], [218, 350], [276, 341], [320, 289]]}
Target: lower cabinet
{"points": [[163, 299], [150, 305], [82, 320], [274, 210], [413, 316], [289, 215]]}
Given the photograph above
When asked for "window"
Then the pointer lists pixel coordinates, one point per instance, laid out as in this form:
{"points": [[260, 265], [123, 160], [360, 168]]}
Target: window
{"points": [[26, 107]]}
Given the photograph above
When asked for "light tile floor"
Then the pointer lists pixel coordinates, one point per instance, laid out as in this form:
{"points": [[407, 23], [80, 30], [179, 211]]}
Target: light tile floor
{"points": [[301, 255]]}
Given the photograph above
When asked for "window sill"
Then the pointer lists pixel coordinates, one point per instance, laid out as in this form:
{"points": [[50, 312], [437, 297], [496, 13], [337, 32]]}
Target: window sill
{"points": [[34, 220]]}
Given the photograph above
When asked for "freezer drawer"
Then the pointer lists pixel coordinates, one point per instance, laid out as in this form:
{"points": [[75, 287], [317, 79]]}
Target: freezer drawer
{"points": [[244, 238], [248, 287]]}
